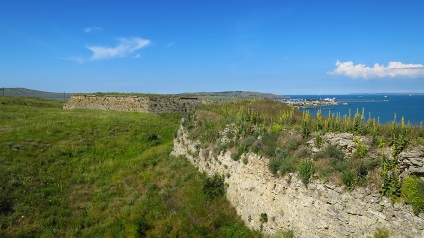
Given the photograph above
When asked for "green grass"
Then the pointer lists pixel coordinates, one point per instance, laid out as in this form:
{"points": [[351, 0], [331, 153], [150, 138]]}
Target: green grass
{"points": [[84, 173]]}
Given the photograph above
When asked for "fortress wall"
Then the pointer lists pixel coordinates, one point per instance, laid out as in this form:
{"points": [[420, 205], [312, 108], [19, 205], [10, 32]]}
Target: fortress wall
{"points": [[318, 210], [132, 103]]}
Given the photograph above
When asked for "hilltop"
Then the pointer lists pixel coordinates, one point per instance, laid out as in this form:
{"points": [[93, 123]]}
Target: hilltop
{"points": [[24, 92]]}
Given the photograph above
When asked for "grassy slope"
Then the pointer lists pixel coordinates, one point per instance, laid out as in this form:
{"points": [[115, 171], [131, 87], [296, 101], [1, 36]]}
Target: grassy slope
{"points": [[82, 173], [23, 92]]}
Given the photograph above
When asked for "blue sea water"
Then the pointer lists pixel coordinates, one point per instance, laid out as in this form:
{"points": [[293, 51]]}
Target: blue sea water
{"points": [[382, 107]]}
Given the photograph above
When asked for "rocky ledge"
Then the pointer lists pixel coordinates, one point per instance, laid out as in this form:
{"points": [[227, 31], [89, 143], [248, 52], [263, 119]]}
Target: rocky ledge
{"points": [[318, 210]]}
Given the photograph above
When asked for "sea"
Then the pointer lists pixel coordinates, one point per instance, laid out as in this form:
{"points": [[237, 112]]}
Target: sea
{"points": [[381, 107]]}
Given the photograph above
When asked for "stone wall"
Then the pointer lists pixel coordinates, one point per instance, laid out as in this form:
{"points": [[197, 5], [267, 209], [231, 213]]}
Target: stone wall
{"points": [[133, 103], [319, 210]]}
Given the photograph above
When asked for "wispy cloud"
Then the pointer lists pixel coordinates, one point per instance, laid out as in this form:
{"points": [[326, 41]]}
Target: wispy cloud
{"points": [[125, 47], [170, 45], [392, 70], [76, 59], [91, 29]]}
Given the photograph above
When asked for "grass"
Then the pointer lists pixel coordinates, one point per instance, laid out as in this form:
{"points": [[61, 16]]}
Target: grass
{"points": [[84, 173]]}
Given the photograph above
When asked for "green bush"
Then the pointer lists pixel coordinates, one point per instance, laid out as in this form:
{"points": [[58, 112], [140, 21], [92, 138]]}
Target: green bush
{"points": [[213, 187], [235, 156], [381, 233], [269, 144], [274, 165], [281, 153], [413, 192], [348, 178], [288, 234], [330, 152], [306, 171], [292, 145], [263, 218], [275, 129], [287, 165]]}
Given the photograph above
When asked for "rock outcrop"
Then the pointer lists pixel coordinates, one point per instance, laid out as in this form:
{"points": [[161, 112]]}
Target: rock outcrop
{"points": [[133, 103], [318, 210]]}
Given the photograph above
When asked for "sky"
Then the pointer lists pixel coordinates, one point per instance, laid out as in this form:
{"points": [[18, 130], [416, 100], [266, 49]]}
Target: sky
{"points": [[156, 46]]}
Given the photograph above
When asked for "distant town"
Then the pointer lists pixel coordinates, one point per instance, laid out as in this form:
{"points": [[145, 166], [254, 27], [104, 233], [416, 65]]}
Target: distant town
{"points": [[311, 103]]}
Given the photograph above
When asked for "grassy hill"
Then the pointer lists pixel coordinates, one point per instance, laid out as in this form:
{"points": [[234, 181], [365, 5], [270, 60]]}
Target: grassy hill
{"points": [[23, 92], [82, 173], [226, 95]]}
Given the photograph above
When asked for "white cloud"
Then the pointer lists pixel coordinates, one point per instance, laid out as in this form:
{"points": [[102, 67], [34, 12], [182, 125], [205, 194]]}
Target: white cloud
{"points": [[125, 47], [78, 60], [392, 70], [91, 29]]}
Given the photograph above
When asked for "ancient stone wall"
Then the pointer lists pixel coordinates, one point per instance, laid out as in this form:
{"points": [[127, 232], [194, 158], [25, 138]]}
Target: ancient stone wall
{"points": [[132, 103], [319, 210]]}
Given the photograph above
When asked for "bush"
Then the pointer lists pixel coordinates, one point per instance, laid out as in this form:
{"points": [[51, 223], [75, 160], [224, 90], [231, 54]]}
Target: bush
{"points": [[287, 165], [274, 165], [292, 145], [213, 187], [381, 233], [235, 156], [287, 234], [348, 178], [281, 153], [263, 218], [330, 152], [413, 192], [275, 129], [302, 152], [306, 170], [269, 144]]}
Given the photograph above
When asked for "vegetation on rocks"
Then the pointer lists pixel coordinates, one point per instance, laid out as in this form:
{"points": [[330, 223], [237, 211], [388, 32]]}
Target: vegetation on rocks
{"points": [[84, 173], [295, 142]]}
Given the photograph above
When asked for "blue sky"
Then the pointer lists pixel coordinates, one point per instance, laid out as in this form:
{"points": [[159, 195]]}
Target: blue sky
{"points": [[155, 46]]}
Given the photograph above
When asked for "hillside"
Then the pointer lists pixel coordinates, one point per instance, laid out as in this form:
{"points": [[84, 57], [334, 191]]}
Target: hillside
{"points": [[226, 95], [23, 92], [91, 173]]}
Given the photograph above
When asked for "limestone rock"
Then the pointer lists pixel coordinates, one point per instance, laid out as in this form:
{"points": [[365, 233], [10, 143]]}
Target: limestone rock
{"points": [[319, 210]]}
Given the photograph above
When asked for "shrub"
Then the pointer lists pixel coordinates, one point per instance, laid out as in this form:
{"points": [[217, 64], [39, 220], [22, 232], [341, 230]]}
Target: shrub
{"points": [[330, 152], [249, 141], [302, 152], [348, 178], [413, 192], [213, 187], [292, 145], [281, 153], [275, 129], [287, 165], [263, 218], [235, 156], [274, 165], [269, 144], [287, 234], [381, 233], [306, 170]]}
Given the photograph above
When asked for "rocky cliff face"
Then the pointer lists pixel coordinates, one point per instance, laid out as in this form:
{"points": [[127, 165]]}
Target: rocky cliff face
{"points": [[318, 210], [132, 103]]}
